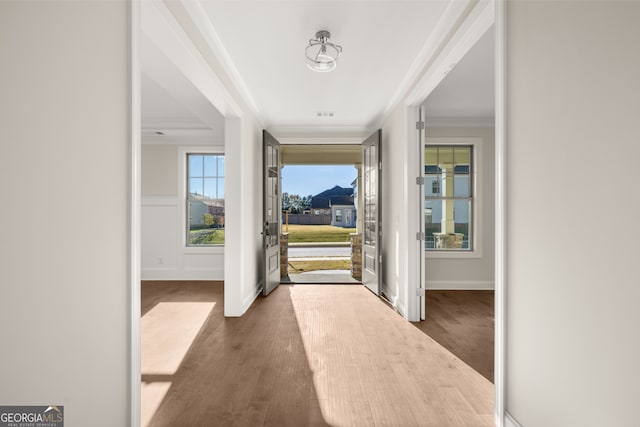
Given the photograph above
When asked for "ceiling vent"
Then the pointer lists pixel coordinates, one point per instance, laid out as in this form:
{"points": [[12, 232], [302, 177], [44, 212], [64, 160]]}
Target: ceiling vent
{"points": [[325, 113]]}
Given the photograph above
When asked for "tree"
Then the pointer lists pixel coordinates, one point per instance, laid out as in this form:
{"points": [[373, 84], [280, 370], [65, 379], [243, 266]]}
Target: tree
{"points": [[286, 205], [208, 219], [306, 202], [294, 203]]}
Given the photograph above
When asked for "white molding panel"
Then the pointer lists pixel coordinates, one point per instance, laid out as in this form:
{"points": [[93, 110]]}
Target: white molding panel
{"points": [[460, 285], [164, 256]]}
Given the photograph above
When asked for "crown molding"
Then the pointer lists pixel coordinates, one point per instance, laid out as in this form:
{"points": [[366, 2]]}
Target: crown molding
{"points": [[205, 27], [162, 28], [462, 24], [181, 137]]}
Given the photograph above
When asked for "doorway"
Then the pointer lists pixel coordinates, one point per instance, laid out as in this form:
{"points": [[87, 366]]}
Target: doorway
{"points": [[330, 215], [321, 225], [457, 208]]}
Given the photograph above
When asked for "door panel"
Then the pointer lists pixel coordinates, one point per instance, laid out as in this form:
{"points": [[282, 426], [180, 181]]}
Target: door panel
{"points": [[271, 212], [372, 218]]}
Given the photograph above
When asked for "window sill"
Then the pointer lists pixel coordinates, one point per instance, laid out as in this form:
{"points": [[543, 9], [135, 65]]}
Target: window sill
{"points": [[213, 249], [452, 254]]}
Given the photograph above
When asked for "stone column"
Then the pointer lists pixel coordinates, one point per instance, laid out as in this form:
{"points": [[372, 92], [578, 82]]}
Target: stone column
{"points": [[284, 255], [356, 256]]}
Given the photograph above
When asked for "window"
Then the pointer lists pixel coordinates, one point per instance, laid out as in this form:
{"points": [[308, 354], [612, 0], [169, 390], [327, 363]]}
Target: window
{"points": [[338, 215], [205, 199], [449, 198]]}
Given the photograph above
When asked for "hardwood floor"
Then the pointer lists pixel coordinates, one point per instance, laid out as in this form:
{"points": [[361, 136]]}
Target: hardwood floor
{"points": [[326, 355], [463, 323]]}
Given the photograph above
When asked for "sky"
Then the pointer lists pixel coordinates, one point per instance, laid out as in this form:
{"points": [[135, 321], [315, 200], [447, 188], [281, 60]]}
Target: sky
{"points": [[304, 180]]}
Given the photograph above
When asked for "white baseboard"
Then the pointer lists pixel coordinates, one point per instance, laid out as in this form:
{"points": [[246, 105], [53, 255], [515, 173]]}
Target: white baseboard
{"points": [[461, 285], [509, 421], [250, 299], [396, 303], [175, 274]]}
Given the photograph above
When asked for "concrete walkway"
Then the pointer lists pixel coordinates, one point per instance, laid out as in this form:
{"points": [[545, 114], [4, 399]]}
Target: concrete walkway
{"points": [[322, 277]]}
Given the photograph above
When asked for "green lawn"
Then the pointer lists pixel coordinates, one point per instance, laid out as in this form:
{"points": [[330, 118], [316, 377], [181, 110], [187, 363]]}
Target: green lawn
{"points": [[207, 236], [303, 266], [317, 233]]}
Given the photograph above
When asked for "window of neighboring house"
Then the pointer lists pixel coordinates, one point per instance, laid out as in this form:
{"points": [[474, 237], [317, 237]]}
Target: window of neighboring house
{"points": [[449, 198], [338, 215], [205, 199]]}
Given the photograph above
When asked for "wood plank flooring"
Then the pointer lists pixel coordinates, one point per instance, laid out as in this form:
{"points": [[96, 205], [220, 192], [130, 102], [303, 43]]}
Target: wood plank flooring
{"points": [[306, 355], [463, 322]]}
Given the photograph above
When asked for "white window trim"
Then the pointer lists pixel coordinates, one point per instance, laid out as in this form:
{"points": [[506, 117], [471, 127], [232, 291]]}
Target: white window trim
{"points": [[477, 235], [182, 197]]}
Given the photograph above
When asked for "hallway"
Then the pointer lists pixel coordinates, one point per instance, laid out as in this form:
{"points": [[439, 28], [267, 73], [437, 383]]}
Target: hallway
{"points": [[304, 355]]}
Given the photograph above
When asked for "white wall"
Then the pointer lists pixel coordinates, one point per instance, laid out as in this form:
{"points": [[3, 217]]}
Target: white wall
{"points": [[572, 285], [243, 216], [64, 115], [463, 272], [164, 255]]}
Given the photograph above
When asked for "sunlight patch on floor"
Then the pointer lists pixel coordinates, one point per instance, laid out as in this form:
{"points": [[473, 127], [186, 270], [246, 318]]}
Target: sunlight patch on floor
{"points": [[379, 360], [151, 396], [165, 344]]}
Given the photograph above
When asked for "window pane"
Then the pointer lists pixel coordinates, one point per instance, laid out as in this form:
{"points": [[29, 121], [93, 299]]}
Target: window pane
{"points": [[462, 218], [205, 200], [210, 166], [195, 186], [220, 165], [445, 156], [210, 188], [448, 177], [431, 156], [432, 185], [462, 156], [220, 188], [462, 187], [195, 165]]}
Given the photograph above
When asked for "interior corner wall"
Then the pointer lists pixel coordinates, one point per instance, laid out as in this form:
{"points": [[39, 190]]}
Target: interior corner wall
{"points": [[573, 208], [470, 273], [243, 208], [65, 152], [394, 215], [164, 255]]}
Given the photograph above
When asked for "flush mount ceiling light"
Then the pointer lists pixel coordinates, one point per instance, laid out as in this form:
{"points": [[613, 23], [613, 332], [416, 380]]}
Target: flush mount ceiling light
{"points": [[322, 55]]}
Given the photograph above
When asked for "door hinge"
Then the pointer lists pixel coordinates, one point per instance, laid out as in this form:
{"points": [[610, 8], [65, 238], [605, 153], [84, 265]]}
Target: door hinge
{"points": [[420, 292], [420, 180], [420, 125], [420, 235]]}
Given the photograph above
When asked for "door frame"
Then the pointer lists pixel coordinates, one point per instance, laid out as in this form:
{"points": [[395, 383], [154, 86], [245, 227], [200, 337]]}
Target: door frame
{"points": [[478, 22]]}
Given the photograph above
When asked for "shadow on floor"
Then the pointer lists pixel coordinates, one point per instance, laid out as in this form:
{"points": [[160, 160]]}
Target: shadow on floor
{"points": [[463, 323]]}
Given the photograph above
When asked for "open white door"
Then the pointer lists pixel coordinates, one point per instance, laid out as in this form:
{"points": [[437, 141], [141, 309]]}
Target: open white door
{"points": [[271, 212], [372, 218]]}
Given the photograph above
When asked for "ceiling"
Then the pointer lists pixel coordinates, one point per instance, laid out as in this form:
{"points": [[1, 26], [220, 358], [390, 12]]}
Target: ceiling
{"points": [[466, 94], [264, 43]]}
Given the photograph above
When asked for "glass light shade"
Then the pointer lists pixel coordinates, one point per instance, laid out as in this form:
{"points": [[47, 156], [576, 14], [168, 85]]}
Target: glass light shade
{"points": [[321, 55]]}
